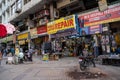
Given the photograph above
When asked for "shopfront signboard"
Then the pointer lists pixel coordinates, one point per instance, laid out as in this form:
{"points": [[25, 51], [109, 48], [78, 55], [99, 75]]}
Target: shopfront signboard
{"points": [[3, 40], [61, 24], [10, 38], [41, 29], [22, 36], [33, 33], [67, 32], [96, 17], [6, 39]]}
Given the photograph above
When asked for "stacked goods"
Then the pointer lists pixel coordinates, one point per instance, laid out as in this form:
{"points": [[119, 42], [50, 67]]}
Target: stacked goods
{"points": [[45, 57]]}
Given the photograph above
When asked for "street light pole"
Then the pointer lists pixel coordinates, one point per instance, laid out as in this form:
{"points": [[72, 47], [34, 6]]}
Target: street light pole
{"points": [[29, 38]]}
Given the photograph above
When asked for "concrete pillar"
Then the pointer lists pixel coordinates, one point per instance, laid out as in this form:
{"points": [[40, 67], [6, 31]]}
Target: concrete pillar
{"points": [[29, 35], [29, 38]]}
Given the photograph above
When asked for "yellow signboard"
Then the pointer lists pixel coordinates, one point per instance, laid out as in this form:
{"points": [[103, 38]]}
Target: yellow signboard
{"points": [[61, 24], [22, 36]]}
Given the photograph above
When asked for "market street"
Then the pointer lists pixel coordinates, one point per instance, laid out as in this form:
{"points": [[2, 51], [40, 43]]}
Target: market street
{"points": [[52, 70]]}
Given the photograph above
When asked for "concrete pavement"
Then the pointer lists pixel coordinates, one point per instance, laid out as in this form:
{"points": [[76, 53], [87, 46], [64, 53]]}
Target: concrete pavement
{"points": [[52, 70], [38, 70]]}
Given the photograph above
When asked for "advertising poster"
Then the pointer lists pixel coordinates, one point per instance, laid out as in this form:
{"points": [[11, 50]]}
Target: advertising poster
{"points": [[95, 29], [84, 31]]}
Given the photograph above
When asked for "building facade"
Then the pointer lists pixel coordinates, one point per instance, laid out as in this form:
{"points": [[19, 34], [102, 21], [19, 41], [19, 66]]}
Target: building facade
{"points": [[30, 17]]}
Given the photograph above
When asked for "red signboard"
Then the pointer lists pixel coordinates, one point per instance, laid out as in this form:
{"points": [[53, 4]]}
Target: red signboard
{"points": [[42, 29], [95, 18]]}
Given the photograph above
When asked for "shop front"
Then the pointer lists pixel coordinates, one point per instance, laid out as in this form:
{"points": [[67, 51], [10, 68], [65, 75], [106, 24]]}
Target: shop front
{"points": [[7, 41], [22, 41], [106, 18], [90, 39], [42, 37], [33, 36], [108, 40], [10, 41], [61, 33]]}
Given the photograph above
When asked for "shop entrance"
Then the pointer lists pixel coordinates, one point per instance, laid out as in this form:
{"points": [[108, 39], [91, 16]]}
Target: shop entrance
{"points": [[65, 45], [115, 36]]}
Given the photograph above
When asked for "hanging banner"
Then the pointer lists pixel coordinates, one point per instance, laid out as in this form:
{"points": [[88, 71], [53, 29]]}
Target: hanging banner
{"points": [[41, 29], [61, 24], [22, 36], [96, 17]]}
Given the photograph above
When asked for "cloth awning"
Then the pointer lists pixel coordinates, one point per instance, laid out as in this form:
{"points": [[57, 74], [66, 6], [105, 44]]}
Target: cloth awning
{"points": [[10, 28], [3, 30]]}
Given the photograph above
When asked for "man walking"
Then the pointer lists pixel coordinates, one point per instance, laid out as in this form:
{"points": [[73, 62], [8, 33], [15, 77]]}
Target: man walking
{"points": [[30, 53]]}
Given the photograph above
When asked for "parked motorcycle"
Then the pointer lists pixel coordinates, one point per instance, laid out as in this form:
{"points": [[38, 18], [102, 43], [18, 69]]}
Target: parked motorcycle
{"points": [[86, 62]]}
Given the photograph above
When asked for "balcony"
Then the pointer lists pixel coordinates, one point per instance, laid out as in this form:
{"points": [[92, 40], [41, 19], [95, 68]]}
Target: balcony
{"points": [[29, 8]]}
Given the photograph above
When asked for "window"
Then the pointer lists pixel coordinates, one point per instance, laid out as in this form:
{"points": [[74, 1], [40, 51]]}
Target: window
{"points": [[19, 4], [13, 8], [26, 1]]}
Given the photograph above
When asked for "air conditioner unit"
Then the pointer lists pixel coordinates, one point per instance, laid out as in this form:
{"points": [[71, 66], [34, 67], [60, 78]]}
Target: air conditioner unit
{"points": [[18, 10], [56, 13]]}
